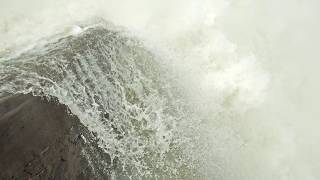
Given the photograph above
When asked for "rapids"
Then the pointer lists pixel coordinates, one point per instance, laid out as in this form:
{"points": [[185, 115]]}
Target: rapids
{"points": [[182, 89]]}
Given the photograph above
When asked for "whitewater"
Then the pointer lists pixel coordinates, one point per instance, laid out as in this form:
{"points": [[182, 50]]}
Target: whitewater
{"points": [[176, 89]]}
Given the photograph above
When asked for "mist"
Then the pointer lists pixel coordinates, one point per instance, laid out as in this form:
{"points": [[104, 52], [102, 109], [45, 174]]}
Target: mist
{"points": [[246, 69]]}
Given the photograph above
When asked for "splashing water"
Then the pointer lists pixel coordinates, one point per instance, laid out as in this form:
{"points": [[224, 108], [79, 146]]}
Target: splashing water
{"points": [[179, 89]]}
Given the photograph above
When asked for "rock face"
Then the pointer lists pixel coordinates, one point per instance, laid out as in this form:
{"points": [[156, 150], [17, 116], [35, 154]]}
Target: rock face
{"points": [[111, 83], [39, 139]]}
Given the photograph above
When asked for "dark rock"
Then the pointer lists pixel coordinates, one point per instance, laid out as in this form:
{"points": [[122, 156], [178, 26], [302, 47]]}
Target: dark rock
{"points": [[35, 140]]}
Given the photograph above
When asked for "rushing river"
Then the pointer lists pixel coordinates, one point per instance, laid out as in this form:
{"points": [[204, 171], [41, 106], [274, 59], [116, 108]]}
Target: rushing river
{"points": [[182, 89]]}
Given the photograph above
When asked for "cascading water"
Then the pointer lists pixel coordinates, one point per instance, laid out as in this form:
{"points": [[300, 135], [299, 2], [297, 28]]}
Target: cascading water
{"points": [[114, 86], [179, 89]]}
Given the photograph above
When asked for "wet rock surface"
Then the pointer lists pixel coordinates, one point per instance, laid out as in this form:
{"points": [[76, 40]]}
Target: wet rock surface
{"points": [[40, 139]]}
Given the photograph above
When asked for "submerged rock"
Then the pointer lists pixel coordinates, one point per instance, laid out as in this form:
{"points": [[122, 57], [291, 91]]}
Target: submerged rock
{"points": [[124, 117]]}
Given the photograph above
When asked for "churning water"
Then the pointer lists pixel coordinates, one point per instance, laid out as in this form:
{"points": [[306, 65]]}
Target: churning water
{"points": [[176, 89]]}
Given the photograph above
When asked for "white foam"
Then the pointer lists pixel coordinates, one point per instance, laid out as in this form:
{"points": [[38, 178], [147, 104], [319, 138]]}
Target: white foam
{"points": [[247, 69]]}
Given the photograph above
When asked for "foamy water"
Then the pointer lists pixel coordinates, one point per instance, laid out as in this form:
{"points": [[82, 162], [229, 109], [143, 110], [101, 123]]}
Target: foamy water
{"points": [[245, 73]]}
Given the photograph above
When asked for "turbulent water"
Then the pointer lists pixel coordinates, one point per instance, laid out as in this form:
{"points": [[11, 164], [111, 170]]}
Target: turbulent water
{"points": [[175, 89]]}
